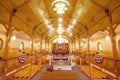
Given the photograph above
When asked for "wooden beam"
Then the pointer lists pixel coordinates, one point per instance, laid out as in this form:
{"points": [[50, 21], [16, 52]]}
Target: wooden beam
{"points": [[11, 11], [5, 6], [99, 19], [115, 7], [94, 2], [26, 1]]}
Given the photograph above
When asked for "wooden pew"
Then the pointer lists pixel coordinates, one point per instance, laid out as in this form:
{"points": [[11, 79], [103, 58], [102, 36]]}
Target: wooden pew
{"points": [[60, 76], [95, 73], [25, 73], [34, 70]]}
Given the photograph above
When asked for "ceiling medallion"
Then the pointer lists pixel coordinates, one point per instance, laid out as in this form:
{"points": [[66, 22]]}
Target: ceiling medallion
{"points": [[60, 6]]}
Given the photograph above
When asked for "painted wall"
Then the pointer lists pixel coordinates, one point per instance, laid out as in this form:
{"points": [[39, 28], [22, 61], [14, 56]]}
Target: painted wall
{"points": [[106, 46], [15, 43], [14, 46]]}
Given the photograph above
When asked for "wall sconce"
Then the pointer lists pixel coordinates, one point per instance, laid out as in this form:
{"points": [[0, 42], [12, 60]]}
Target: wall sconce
{"points": [[13, 37]]}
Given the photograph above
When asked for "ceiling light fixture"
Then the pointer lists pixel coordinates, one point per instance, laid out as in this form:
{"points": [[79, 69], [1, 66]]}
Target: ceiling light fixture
{"points": [[60, 6], [60, 30], [47, 21], [60, 19], [74, 21], [49, 26], [70, 26]]}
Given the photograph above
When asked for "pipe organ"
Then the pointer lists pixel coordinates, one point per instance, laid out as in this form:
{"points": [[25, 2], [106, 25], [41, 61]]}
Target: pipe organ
{"points": [[62, 48]]}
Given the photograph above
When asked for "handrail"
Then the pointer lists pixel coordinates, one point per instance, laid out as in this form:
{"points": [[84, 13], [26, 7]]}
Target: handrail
{"points": [[12, 64], [109, 64]]}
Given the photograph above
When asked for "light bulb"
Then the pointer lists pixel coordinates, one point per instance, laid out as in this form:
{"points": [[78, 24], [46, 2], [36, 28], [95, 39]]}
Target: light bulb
{"points": [[13, 37]]}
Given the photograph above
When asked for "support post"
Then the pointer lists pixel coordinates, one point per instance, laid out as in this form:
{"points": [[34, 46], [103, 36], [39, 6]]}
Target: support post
{"points": [[88, 51], [114, 48], [113, 41], [111, 30], [48, 47], [72, 47], [5, 50], [31, 57], [41, 45], [79, 46], [88, 45]]}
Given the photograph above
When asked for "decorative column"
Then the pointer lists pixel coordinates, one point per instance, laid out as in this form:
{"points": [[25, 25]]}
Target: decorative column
{"points": [[88, 51], [114, 48], [32, 45], [79, 46], [31, 56], [88, 45], [72, 46], [111, 30], [76, 46], [5, 50], [45, 45], [41, 45], [7, 41], [113, 41], [88, 40], [48, 47]]}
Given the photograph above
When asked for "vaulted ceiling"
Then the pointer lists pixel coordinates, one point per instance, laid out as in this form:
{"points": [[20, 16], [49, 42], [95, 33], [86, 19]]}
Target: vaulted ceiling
{"points": [[34, 17]]}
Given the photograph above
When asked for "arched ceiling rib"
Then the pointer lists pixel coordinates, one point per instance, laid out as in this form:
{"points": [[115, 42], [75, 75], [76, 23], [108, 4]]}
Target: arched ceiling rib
{"points": [[64, 36]]}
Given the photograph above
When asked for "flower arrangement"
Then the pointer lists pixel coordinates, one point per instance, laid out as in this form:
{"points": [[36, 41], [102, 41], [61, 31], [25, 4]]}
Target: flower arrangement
{"points": [[61, 62]]}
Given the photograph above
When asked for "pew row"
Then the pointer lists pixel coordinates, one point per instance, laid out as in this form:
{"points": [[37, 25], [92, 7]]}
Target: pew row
{"points": [[28, 72], [94, 73], [60, 76]]}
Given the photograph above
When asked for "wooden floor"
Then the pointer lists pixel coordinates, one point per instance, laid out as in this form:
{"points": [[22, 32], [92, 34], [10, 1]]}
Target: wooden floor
{"points": [[70, 75]]}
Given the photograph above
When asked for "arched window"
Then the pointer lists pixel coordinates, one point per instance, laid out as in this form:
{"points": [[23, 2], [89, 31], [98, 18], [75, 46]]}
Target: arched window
{"points": [[21, 46], [99, 46], [119, 44], [1, 43]]}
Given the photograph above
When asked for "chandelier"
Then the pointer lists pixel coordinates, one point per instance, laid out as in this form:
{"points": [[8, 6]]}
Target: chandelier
{"points": [[60, 6]]}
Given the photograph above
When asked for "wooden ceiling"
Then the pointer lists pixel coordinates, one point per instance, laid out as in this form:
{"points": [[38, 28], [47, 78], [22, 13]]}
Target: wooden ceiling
{"points": [[29, 16]]}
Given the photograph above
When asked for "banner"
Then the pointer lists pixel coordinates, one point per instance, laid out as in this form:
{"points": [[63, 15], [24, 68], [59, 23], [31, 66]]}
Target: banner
{"points": [[22, 59], [99, 59]]}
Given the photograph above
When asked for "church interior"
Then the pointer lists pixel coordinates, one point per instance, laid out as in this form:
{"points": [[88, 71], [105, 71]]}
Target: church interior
{"points": [[59, 39]]}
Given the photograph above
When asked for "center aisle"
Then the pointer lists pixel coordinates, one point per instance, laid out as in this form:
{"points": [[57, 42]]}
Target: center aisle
{"points": [[60, 75], [74, 69]]}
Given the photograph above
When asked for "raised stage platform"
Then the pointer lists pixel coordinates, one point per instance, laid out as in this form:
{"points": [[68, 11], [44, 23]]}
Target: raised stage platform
{"points": [[62, 67]]}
